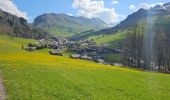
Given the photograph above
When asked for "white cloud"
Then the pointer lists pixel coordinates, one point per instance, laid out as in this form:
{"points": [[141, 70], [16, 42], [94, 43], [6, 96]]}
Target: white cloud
{"points": [[143, 5], [115, 2], [132, 7], [10, 7], [96, 8]]}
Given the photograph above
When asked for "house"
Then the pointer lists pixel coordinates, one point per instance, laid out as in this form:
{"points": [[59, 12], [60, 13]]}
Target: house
{"points": [[30, 49], [93, 47], [75, 56], [85, 57], [118, 51], [39, 46], [100, 61], [117, 64], [56, 52]]}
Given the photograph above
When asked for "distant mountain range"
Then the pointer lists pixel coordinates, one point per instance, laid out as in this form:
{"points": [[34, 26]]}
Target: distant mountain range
{"points": [[70, 24], [160, 13], [136, 17], [18, 27], [79, 27], [47, 24]]}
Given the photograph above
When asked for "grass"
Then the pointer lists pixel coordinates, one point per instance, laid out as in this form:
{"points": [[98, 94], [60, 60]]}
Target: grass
{"points": [[40, 76], [57, 32], [109, 39]]}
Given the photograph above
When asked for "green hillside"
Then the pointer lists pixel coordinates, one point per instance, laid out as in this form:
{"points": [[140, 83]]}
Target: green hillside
{"points": [[110, 39], [64, 24], [117, 39], [160, 14], [40, 76]]}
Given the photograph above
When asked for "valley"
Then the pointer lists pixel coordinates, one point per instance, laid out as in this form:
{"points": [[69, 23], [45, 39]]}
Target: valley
{"points": [[57, 55], [38, 75]]}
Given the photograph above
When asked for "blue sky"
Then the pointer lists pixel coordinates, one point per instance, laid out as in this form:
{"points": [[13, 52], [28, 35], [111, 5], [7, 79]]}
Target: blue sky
{"points": [[111, 11]]}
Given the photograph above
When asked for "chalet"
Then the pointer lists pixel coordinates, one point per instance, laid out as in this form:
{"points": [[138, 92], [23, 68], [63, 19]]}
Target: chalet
{"points": [[118, 64], [39, 46], [85, 57], [118, 51], [30, 49], [56, 52], [75, 56], [93, 47], [100, 61], [104, 49], [65, 41]]}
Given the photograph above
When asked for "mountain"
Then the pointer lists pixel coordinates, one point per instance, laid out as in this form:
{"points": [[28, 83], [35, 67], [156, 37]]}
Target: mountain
{"points": [[140, 15], [56, 23], [129, 21], [159, 13], [117, 36], [18, 27]]}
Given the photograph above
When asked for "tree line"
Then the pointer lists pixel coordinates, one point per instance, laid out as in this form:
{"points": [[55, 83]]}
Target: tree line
{"points": [[147, 49]]}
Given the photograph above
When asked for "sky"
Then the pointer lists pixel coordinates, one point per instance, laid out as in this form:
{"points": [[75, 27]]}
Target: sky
{"points": [[110, 11]]}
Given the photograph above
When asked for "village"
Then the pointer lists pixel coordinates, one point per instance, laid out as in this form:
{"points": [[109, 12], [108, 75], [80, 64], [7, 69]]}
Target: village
{"points": [[85, 50]]}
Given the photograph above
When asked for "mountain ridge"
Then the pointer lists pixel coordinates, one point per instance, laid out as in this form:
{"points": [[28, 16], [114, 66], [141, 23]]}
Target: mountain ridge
{"points": [[66, 23], [139, 16], [18, 26], [135, 17]]}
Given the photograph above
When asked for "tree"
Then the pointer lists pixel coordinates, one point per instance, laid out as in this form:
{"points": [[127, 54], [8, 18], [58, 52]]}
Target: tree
{"points": [[134, 46]]}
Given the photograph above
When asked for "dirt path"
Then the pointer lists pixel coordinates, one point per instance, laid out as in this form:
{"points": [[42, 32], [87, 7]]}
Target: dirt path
{"points": [[2, 89]]}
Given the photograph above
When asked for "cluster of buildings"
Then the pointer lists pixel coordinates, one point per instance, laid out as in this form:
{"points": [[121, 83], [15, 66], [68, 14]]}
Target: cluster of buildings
{"points": [[85, 50]]}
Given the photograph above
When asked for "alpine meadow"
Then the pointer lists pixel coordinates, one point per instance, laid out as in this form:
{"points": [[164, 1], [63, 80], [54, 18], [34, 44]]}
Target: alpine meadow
{"points": [[84, 50]]}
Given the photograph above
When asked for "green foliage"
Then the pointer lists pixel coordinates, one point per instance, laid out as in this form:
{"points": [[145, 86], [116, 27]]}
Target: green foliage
{"points": [[163, 22], [118, 58]]}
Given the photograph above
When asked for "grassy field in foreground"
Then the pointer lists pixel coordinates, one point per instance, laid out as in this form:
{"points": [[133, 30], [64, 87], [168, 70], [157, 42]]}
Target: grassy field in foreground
{"points": [[40, 76]]}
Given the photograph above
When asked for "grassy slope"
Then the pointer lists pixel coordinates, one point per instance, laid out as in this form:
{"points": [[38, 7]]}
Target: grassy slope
{"points": [[110, 38], [60, 33], [39, 76], [113, 40]]}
